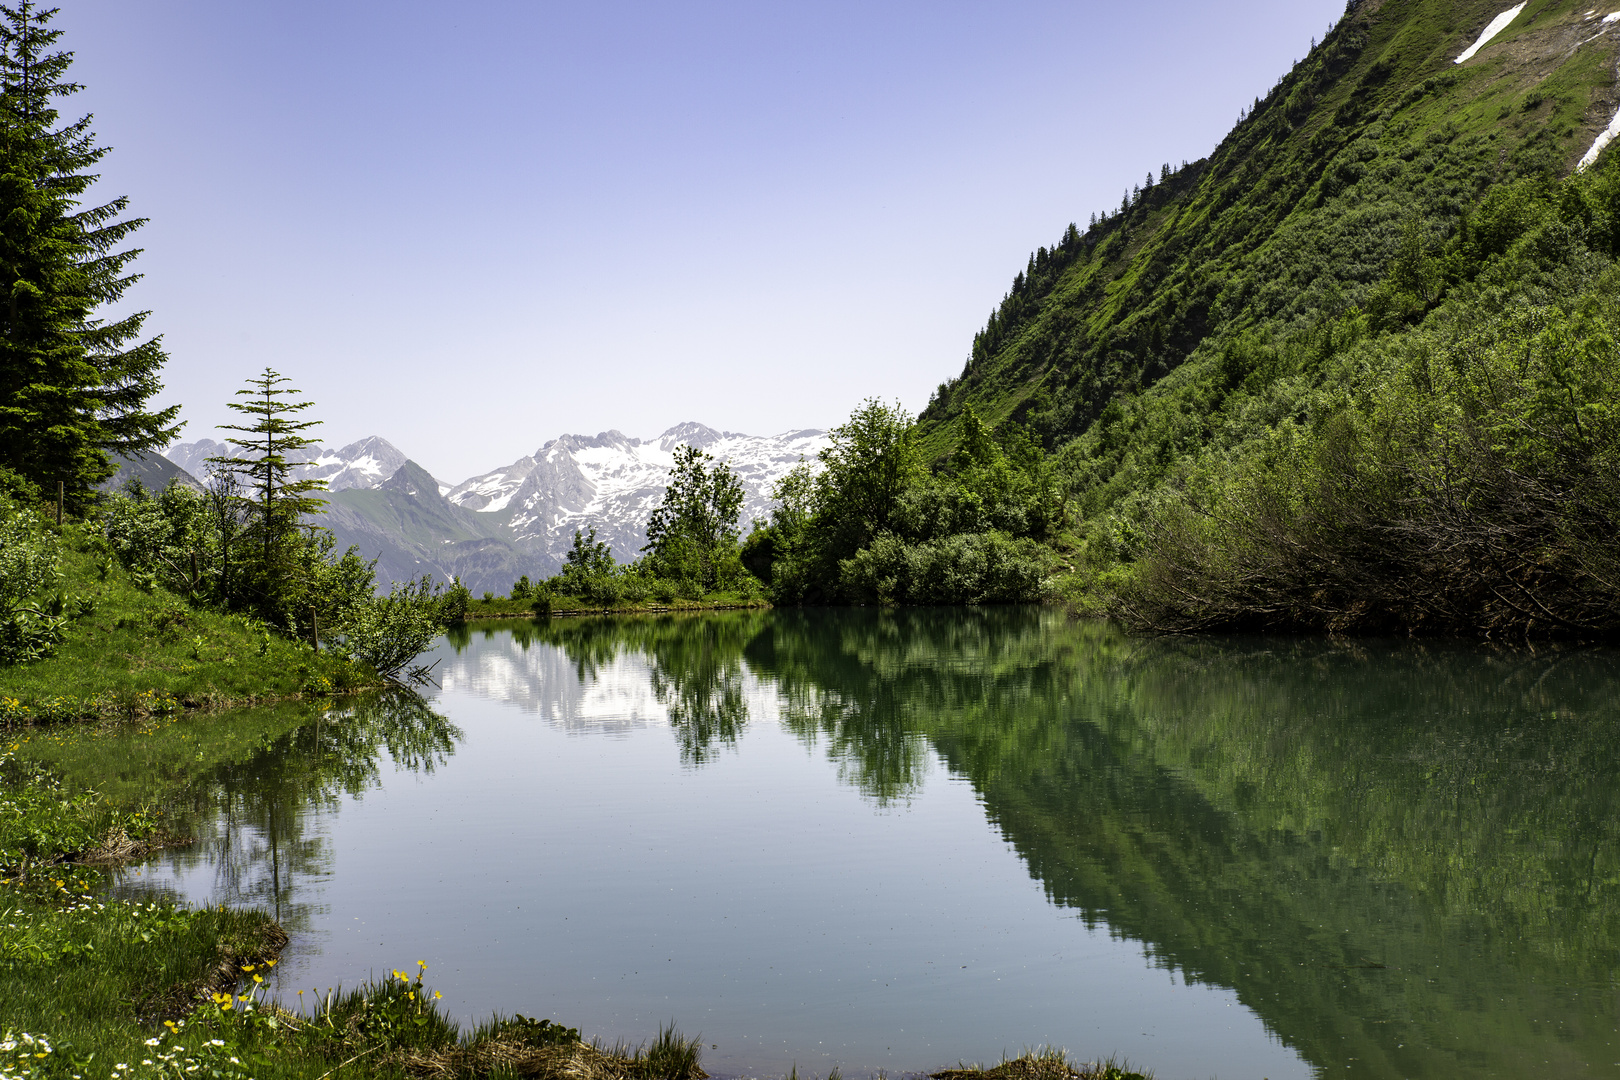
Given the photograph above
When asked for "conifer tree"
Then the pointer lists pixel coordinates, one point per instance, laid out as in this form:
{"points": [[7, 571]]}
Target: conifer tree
{"points": [[72, 385], [279, 502]]}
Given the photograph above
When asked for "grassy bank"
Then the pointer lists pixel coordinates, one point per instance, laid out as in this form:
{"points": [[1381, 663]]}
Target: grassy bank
{"points": [[135, 649]]}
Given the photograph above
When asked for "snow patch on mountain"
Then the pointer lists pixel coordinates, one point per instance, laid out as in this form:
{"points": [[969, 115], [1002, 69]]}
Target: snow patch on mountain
{"points": [[1494, 27], [364, 464], [524, 515], [1605, 137], [612, 483]]}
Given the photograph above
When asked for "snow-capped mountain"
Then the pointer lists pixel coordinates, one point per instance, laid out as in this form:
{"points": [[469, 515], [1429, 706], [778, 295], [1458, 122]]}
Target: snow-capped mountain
{"points": [[519, 519], [363, 464], [612, 483]]}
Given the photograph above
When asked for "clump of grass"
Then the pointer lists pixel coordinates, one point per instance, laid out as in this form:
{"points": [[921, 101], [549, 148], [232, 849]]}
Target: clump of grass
{"points": [[836, 1074], [672, 1057], [1045, 1063]]}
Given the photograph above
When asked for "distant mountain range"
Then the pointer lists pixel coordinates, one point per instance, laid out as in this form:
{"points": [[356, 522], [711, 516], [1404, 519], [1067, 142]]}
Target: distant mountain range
{"points": [[518, 519], [363, 464]]}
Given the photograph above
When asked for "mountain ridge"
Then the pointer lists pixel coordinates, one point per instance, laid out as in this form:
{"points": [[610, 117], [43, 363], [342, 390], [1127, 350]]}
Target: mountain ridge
{"points": [[519, 518]]}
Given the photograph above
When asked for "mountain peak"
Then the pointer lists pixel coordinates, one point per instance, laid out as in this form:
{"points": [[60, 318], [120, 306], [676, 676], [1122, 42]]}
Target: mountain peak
{"points": [[366, 463], [691, 434], [413, 480]]}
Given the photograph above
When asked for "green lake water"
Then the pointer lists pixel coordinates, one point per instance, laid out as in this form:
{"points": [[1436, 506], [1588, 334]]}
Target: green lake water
{"points": [[897, 840]]}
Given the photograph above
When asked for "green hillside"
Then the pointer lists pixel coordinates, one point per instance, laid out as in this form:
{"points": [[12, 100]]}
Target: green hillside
{"points": [[414, 530], [1252, 375]]}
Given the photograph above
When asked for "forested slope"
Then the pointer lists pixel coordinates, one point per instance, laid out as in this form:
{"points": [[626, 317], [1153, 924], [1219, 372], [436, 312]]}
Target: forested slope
{"points": [[1353, 370]]}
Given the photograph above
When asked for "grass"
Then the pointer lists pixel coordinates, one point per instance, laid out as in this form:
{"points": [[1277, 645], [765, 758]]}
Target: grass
{"points": [[1044, 1063], [138, 653]]}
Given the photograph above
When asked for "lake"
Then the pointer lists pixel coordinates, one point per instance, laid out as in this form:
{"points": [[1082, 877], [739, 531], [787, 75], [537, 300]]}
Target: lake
{"points": [[896, 840]]}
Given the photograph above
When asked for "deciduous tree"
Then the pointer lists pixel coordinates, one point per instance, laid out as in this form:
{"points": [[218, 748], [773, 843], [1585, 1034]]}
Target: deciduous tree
{"points": [[692, 535]]}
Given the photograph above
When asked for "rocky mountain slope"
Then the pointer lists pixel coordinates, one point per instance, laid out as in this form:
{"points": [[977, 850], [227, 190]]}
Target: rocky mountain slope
{"points": [[611, 482], [363, 464], [521, 518]]}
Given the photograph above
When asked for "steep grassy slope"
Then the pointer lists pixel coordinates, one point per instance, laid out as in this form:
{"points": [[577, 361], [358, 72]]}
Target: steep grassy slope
{"points": [[1357, 370], [1298, 213]]}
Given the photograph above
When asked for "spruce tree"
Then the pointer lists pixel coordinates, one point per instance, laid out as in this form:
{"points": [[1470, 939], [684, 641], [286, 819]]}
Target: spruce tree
{"points": [[72, 385], [279, 502]]}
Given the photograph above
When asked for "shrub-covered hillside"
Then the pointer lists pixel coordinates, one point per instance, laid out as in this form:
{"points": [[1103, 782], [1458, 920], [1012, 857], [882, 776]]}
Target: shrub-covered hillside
{"points": [[1355, 370]]}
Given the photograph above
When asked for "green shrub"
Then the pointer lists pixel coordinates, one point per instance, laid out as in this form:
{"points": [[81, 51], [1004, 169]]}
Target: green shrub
{"points": [[388, 632], [972, 568], [30, 623]]}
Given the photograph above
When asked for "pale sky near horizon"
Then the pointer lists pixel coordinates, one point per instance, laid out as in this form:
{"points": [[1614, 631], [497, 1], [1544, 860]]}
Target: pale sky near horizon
{"points": [[471, 228]]}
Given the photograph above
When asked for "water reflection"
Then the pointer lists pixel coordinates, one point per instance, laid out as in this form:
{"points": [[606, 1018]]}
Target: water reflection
{"points": [[692, 665], [1404, 858], [258, 819]]}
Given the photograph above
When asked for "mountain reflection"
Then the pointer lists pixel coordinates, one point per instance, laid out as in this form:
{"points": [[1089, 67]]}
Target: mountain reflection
{"points": [[691, 666], [1402, 856]]}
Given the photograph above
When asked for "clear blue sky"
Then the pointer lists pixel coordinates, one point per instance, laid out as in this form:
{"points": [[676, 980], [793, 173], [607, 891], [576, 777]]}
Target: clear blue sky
{"points": [[472, 227]]}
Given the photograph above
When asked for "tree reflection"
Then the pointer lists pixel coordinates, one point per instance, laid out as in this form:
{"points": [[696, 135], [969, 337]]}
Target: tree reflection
{"points": [[696, 661], [869, 684], [254, 818], [1404, 857]]}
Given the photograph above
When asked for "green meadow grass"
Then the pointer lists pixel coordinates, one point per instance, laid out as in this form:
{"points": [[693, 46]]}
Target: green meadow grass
{"points": [[139, 652]]}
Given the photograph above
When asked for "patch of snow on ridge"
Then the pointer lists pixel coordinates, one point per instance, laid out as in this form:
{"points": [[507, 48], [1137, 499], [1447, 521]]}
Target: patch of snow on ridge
{"points": [[1497, 25], [1605, 137], [1612, 17]]}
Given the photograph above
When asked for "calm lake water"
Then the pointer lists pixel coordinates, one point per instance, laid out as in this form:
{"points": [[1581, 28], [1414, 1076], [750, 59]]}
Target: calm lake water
{"points": [[897, 840]]}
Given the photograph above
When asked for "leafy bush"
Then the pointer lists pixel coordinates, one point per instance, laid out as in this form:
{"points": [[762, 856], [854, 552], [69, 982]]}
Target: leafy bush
{"points": [[29, 556], [1470, 482], [971, 568], [163, 535], [589, 571], [389, 632], [875, 527], [453, 603]]}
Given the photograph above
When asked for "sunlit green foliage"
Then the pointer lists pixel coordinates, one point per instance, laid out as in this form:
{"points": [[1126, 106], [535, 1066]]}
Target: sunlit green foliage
{"points": [[1254, 323], [872, 525], [30, 622], [692, 534], [128, 646]]}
